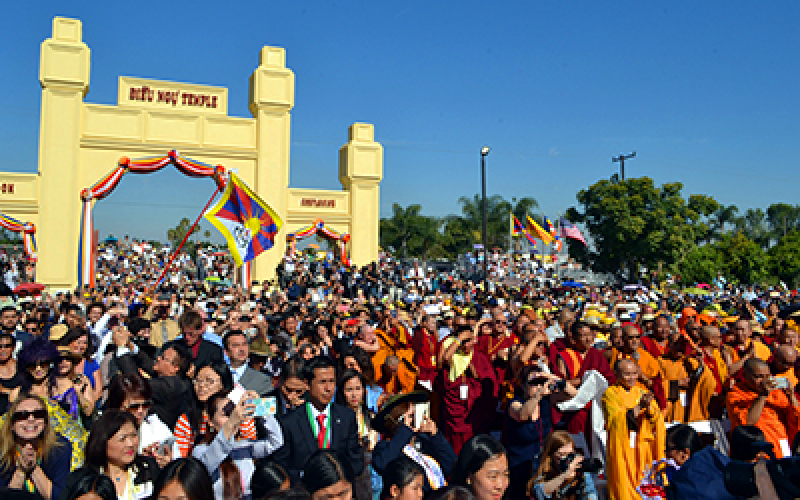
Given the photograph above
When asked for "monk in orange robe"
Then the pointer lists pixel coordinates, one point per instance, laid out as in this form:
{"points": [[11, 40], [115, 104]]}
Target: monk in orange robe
{"points": [[706, 395], [649, 369], [678, 373], [636, 432], [744, 347], [782, 364], [393, 338], [754, 400]]}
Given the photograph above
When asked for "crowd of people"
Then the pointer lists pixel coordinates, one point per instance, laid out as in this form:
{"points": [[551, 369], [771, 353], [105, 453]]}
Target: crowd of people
{"points": [[388, 382]]}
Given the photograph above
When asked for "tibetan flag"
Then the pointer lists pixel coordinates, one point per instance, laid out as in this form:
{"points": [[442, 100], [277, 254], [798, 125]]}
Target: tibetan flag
{"points": [[516, 226], [570, 230], [540, 233], [549, 227], [247, 222]]}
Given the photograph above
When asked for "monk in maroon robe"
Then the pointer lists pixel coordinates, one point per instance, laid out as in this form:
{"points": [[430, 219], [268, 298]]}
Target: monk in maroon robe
{"points": [[468, 388], [571, 364]]}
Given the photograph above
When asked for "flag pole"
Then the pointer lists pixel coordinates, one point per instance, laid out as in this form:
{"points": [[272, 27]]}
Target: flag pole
{"points": [[188, 233]]}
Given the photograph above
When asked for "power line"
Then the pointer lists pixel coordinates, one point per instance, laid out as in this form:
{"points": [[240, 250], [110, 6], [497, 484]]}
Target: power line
{"points": [[621, 160]]}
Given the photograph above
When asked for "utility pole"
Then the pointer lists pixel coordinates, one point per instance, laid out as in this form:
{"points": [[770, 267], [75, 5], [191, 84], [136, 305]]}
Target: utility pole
{"points": [[621, 160]]}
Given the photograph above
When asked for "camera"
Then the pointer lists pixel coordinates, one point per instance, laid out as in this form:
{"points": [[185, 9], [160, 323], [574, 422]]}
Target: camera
{"points": [[590, 465]]}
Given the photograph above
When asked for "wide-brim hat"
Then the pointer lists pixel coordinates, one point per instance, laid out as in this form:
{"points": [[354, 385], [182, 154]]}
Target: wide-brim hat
{"points": [[259, 348], [414, 397]]}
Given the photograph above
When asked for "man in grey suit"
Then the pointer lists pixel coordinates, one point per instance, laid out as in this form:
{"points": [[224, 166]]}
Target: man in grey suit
{"points": [[237, 348]]}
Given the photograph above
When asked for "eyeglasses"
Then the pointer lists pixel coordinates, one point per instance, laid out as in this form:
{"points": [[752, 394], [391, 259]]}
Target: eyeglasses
{"points": [[634, 337], [139, 405], [40, 364], [7, 345], [21, 415], [204, 381]]}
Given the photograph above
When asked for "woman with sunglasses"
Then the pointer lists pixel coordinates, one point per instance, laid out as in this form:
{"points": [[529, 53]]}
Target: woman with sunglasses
{"points": [[71, 389], [133, 394], [528, 422], [209, 379], [33, 457], [36, 361]]}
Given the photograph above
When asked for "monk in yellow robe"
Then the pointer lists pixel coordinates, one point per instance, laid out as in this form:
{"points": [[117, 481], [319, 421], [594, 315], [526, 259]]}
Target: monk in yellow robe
{"points": [[636, 432], [678, 373]]}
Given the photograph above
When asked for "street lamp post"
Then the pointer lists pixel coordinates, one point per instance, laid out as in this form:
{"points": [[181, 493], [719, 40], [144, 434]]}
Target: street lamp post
{"points": [[484, 152]]}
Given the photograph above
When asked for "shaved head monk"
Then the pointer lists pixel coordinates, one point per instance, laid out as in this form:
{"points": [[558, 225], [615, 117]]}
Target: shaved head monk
{"points": [[636, 432], [757, 400]]}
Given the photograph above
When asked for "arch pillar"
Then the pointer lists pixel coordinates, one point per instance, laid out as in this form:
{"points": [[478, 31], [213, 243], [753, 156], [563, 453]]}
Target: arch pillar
{"points": [[271, 100], [361, 172], [64, 77]]}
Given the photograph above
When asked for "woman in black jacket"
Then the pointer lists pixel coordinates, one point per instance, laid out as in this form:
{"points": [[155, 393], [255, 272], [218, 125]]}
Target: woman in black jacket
{"points": [[112, 450]]}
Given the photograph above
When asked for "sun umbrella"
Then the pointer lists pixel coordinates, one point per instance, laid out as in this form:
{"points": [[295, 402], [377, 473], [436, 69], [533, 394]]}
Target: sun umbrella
{"points": [[572, 284], [696, 291], [213, 279], [634, 287], [704, 285], [28, 289], [110, 239]]}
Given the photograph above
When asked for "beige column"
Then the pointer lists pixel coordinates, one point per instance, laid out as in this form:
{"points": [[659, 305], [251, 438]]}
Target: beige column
{"points": [[64, 76], [271, 100], [360, 172]]}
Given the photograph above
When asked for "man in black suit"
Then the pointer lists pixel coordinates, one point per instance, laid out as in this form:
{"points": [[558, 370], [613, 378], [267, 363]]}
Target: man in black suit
{"points": [[202, 351], [171, 388], [319, 424]]}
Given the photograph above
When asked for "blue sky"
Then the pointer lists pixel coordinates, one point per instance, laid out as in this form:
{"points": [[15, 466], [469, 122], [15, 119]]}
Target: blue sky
{"points": [[705, 92]]}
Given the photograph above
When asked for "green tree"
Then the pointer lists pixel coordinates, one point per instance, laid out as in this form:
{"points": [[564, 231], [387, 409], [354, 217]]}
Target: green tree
{"points": [[782, 218], [10, 237], [753, 225], [178, 233], [784, 259], [633, 223], [700, 265], [409, 232], [742, 259]]}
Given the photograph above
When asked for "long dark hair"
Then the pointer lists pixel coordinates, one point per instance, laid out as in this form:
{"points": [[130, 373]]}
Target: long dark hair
{"points": [[74, 334], [324, 469], [474, 454], [400, 472], [90, 481], [231, 477], [194, 412], [191, 474], [364, 363], [103, 429], [124, 386], [346, 377], [268, 477]]}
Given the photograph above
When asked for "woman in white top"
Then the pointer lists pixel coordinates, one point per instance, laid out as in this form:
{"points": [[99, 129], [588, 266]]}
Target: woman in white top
{"points": [[231, 462]]}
